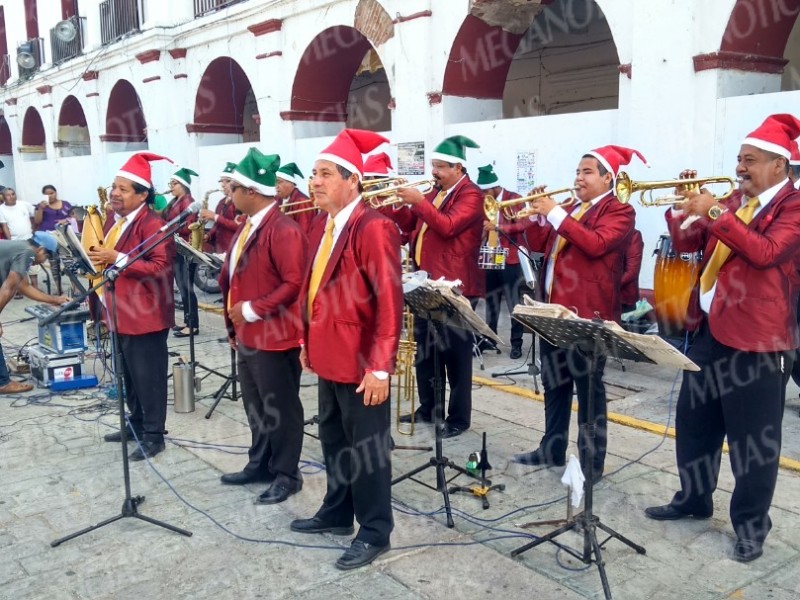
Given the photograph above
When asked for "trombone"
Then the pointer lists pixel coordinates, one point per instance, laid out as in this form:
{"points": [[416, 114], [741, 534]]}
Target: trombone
{"points": [[626, 187], [387, 196], [492, 206]]}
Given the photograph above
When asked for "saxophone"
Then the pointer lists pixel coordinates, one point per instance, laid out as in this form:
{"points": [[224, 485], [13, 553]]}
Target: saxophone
{"points": [[198, 228], [93, 223], [405, 374]]}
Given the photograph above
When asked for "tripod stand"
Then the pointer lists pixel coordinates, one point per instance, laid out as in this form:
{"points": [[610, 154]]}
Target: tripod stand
{"points": [[591, 338], [130, 503], [482, 490]]}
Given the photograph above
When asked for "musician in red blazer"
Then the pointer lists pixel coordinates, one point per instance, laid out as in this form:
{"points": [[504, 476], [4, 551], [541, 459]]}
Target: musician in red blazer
{"points": [[179, 184], [745, 335], [445, 228], [583, 248], [631, 267], [260, 282], [509, 234], [289, 176], [353, 303], [226, 216], [145, 309]]}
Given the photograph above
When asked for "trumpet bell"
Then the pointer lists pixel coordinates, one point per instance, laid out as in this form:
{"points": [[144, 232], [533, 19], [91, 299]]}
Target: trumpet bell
{"points": [[625, 188]]}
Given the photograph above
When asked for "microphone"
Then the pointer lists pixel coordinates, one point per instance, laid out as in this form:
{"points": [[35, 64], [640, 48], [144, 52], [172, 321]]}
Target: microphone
{"points": [[192, 209]]}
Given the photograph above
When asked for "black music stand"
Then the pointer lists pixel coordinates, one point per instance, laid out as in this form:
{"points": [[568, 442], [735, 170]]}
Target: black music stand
{"points": [[197, 257], [131, 503], [429, 304], [593, 339]]}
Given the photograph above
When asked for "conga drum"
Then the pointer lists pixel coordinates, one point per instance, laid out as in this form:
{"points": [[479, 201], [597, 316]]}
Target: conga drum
{"points": [[675, 276]]}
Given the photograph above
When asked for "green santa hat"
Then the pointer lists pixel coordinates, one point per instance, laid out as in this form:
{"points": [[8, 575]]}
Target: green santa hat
{"points": [[226, 172], [453, 149], [291, 173], [257, 171], [487, 178], [184, 177]]}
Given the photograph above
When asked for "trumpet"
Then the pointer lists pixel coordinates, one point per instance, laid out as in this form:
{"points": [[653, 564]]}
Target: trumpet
{"points": [[297, 211], [371, 184], [388, 196], [626, 187], [491, 206]]}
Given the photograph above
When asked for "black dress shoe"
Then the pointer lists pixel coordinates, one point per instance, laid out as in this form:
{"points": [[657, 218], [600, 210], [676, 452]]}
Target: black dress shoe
{"points": [[516, 353], [451, 431], [186, 332], [178, 327], [670, 513], [147, 450], [418, 418], [747, 550], [275, 494], [317, 525], [116, 436], [244, 477], [359, 554], [537, 458]]}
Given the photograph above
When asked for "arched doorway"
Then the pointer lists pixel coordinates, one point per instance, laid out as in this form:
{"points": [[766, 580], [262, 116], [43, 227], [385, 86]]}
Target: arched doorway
{"points": [[6, 154], [126, 128], [340, 80], [225, 107], [33, 140], [73, 132]]}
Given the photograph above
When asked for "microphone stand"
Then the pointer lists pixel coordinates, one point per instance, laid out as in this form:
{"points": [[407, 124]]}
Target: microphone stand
{"points": [[130, 503]]}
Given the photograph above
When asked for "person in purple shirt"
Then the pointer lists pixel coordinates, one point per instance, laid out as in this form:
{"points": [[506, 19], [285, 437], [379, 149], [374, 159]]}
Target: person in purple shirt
{"points": [[49, 213]]}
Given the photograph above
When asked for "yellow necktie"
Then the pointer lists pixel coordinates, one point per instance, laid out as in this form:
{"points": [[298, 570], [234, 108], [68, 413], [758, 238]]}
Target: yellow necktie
{"points": [[561, 242], [722, 252], [111, 240], [437, 202], [237, 251], [320, 262]]}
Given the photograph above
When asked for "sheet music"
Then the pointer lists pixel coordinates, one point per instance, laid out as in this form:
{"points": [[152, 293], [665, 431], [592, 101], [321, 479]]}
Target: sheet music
{"points": [[191, 253], [652, 346]]}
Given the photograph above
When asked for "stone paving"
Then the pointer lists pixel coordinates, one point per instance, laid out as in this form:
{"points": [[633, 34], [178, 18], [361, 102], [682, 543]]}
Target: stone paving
{"points": [[58, 476]]}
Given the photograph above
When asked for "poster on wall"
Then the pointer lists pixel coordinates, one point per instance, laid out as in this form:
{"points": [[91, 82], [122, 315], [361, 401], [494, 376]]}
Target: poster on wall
{"points": [[526, 171], [411, 158]]}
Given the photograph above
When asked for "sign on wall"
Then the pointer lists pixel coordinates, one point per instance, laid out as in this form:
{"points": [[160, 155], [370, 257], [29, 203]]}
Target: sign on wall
{"points": [[526, 171], [411, 158]]}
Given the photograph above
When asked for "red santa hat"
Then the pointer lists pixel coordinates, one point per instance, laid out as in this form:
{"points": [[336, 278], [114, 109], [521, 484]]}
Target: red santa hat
{"points": [[378, 165], [614, 157], [776, 134], [794, 160], [347, 149], [137, 168]]}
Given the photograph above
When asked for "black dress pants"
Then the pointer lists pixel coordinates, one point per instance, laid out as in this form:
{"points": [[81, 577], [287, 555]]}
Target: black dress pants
{"points": [[504, 283], [144, 368], [455, 365], [184, 268], [561, 370], [739, 395], [355, 443], [270, 384]]}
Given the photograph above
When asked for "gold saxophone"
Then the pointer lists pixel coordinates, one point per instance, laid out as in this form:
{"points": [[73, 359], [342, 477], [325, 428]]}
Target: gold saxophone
{"points": [[198, 228], [405, 374], [92, 235]]}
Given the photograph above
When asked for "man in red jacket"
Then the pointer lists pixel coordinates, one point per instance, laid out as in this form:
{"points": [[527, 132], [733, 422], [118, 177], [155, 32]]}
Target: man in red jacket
{"points": [[226, 216], [353, 301], [742, 312], [289, 176], [145, 308], [260, 282], [445, 230], [507, 282], [583, 246], [631, 265]]}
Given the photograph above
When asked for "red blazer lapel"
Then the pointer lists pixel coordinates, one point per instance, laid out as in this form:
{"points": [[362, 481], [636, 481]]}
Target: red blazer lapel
{"points": [[341, 242]]}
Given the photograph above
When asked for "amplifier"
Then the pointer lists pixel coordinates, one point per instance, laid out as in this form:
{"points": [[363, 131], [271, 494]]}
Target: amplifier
{"points": [[47, 367], [66, 333]]}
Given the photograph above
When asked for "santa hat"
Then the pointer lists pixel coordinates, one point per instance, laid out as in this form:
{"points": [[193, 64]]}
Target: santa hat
{"points": [[794, 160], [378, 165], [226, 172], [257, 171], [775, 134], [614, 157], [290, 172], [453, 149], [347, 149], [137, 168], [487, 178], [184, 177]]}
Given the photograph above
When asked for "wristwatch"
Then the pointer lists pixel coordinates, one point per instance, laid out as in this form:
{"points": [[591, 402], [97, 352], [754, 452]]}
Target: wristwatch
{"points": [[715, 211]]}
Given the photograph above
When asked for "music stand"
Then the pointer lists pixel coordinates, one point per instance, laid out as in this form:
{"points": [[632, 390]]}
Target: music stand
{"points": [[193, 256], [594, 339], [130, 503], [432, 304]]}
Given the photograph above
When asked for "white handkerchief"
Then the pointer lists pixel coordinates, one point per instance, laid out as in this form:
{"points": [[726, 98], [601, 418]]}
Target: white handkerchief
{"points": [[573, 478]]}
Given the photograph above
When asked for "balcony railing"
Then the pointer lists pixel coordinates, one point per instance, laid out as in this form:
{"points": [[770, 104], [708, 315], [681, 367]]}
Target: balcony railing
{"points": [[118, 18], [202, 7], [63, 49]]}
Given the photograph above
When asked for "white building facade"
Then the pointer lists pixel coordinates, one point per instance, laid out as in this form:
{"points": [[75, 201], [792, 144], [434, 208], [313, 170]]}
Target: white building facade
{"points": [[535, 83]]}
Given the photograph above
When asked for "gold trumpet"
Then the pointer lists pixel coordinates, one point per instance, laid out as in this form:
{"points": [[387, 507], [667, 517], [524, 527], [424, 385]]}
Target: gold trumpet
{"points": [[492, 206], [371, 184], [388, 196], [626, 187]]}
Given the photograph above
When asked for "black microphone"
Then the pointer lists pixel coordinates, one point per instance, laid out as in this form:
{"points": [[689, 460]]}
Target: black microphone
{"points": [[192, 209]]}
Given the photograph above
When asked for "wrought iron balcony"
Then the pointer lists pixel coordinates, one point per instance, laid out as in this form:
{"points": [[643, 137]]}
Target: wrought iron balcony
{"points": [[202, 7], [62, 47], [118, 18]]}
